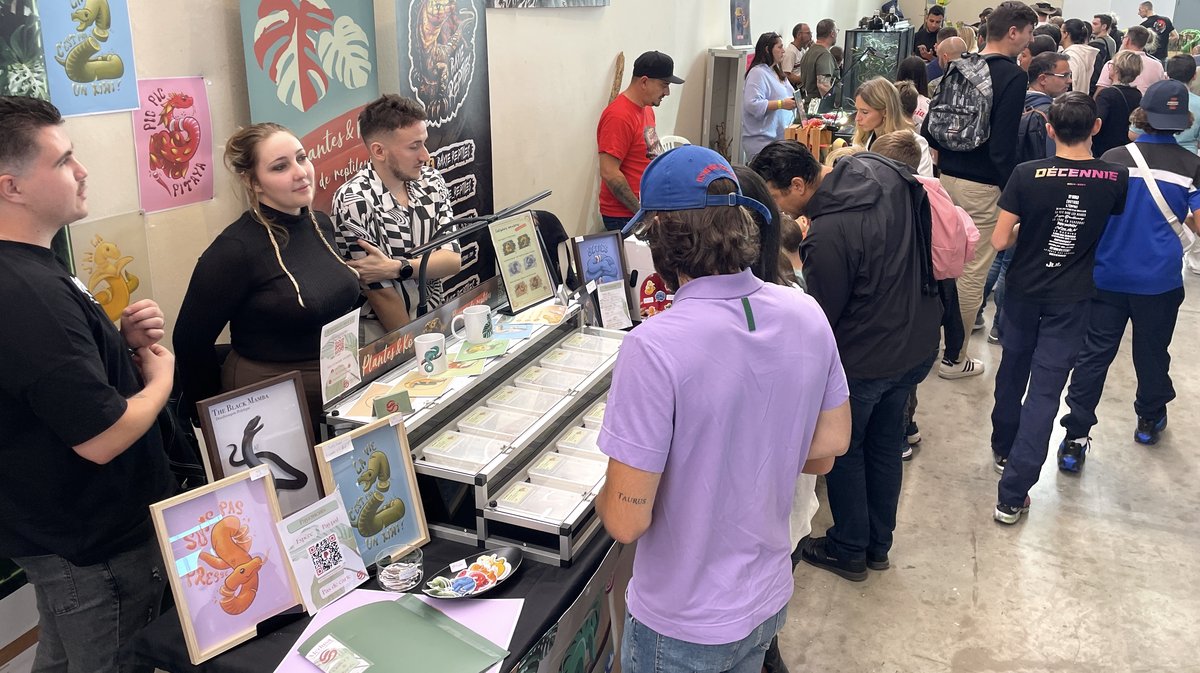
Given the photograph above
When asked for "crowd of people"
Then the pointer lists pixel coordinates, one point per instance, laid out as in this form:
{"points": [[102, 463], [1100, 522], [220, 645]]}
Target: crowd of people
{"points": [[1066, 197]]}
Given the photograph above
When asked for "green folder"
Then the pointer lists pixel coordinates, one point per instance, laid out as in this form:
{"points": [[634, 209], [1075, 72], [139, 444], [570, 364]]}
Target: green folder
{"points": [[404, 635]]}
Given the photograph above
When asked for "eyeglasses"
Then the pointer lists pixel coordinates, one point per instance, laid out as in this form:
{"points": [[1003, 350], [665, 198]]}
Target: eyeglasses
{"points": [[1060, 75]]}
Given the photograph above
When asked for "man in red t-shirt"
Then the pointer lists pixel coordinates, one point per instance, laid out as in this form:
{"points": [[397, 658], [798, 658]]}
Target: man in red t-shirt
{"points": [[627, 139]]}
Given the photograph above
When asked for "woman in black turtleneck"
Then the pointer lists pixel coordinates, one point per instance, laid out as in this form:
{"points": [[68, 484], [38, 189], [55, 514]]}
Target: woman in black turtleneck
{"points": [[273, 276]]}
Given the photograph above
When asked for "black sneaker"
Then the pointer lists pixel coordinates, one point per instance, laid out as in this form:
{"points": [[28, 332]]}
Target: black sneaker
{"points": [[998, 463], [1148, 429], [979, 322], [912, 434], [906, 452], [878, 561], [1071, 454], [812, 550], [1009, 515], [994, 335]]}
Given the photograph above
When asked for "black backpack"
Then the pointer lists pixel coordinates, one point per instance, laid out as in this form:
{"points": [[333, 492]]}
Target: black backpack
{"points": [[1031, 135], [1101, 58]]}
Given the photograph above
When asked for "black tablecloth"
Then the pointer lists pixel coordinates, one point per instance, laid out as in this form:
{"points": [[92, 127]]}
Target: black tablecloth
{"points": [[548, 592]]}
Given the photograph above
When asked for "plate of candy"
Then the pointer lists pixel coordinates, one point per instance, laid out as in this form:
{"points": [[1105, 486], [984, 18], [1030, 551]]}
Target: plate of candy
{"points": [[474, 575]]}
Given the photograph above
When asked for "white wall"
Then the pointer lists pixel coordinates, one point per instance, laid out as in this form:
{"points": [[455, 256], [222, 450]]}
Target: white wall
{"points": [[551, 71]]}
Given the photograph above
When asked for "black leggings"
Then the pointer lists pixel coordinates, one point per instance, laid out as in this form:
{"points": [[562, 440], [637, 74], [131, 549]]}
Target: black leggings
{"points": [[952, 324]]}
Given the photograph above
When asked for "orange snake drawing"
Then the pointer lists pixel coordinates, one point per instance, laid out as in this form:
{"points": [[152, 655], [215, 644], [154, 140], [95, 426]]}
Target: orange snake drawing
{"points": [[174, 146], [231, 544]]}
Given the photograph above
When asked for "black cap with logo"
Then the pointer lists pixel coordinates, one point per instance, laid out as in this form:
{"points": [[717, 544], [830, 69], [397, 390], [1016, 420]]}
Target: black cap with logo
{"points": [[656, 65]]}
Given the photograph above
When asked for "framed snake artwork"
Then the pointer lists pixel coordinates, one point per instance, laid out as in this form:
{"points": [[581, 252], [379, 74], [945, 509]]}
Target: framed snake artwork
{"points": [[264, 424], [371, 467], [226, 566]]}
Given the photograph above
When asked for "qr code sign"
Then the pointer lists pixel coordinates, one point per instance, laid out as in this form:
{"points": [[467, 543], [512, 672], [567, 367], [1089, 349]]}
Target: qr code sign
{"points": [[326, 555]]}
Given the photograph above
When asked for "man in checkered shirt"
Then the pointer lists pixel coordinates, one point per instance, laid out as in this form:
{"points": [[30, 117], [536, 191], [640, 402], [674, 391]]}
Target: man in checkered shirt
{"points": [[390, 207]]}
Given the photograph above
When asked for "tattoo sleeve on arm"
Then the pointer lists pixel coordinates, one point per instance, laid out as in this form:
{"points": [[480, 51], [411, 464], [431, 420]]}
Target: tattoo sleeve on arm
{"points": [[621, 189]]}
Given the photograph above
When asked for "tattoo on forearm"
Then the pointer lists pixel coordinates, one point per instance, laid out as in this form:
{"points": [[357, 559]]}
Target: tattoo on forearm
{"points": [[630, 501], [621, 189]]}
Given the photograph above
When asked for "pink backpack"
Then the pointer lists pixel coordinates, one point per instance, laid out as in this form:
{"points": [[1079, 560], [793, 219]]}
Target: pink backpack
{"points": [[954, 233]]}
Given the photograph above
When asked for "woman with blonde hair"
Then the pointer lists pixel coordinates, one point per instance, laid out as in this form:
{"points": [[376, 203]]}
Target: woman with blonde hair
{"points": [[878, 112], [1115, 103], [273, 276], [967, 33]]}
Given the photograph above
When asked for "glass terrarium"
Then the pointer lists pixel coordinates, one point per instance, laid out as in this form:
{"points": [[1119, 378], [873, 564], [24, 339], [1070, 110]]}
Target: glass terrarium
{"points": [[869, 54]]}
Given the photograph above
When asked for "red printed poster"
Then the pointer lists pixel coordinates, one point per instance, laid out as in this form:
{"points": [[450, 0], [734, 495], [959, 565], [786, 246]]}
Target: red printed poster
{"points": [[173, 133]]}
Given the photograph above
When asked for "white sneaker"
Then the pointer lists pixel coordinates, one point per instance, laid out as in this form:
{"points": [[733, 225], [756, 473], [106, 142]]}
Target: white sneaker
{"points": [[960, 370]]}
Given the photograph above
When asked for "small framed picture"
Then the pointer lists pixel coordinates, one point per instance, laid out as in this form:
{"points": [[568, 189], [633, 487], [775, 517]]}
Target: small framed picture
{"points": [[225, 564], [373, 468], [264, 424], [522, 261], [600, 259]]}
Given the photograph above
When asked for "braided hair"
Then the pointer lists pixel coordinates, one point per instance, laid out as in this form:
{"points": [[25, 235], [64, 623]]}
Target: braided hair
{"points": [[241, 156]]}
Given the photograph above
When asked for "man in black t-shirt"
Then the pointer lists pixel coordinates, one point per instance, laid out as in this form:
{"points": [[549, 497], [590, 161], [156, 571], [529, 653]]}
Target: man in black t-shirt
{"points": [[1161, 26], [82, 455], [925, 39], [1062, 205]]}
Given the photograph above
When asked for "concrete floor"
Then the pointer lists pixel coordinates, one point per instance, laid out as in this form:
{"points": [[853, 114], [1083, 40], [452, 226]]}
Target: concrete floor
{"points": [[1101, 576]]}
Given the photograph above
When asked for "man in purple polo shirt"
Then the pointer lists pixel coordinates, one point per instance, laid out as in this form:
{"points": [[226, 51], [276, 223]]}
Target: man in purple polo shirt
{"points": [[716, 407]]}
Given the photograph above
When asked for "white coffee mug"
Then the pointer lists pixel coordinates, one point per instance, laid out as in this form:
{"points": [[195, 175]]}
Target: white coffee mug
{"points": [[477, 321], [431, 354]]}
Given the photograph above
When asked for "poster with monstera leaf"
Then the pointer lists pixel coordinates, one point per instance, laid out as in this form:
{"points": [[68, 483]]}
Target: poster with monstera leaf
{"points": [[113, 261], [311, 66], [89, 56], [173, 134]]}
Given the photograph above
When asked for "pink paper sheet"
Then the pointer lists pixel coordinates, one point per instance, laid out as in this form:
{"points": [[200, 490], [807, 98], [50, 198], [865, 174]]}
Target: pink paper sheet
{"points": [[494, 619]]}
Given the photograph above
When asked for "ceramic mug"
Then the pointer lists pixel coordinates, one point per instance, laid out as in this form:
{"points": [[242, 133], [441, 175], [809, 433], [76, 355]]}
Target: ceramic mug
{"points": [[477, 321], [431, 354]]}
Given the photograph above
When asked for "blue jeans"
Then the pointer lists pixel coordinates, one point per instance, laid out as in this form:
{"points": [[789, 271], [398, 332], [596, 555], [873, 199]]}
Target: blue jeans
{"points": [[864, 484], [995, 284], [615, 223], [1153, 318], [85, 614], [1040, 342], [644, 650]]}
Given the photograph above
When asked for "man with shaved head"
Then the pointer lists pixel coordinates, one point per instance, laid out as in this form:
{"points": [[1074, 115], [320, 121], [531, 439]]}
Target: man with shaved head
{"points": [[951, 49]]}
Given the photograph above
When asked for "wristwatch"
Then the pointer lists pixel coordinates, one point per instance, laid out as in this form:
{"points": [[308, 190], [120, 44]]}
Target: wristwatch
{"points": [[406, 269]]}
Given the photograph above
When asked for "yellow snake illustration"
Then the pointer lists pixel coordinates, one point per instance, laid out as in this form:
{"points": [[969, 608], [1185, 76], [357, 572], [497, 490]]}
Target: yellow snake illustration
{"points": [[375, 516], [79, 63], [109, 282]]}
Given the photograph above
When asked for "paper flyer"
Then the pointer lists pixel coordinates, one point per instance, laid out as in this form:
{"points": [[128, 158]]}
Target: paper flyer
{"points": [[322, 551], [340, 370], [614, 305]]}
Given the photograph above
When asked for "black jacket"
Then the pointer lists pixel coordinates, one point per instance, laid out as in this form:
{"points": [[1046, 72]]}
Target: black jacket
{"points": [[867, 262]]}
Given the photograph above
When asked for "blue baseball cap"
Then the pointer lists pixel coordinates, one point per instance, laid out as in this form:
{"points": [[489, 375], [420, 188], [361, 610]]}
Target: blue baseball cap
{"points": [[678, 180], [1166, 105]]}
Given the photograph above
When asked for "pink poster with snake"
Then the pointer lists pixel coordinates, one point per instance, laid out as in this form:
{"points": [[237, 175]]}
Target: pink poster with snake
{"points": [[173, 133]]}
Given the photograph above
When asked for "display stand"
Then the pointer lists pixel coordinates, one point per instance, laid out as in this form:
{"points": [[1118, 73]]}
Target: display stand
{"points": [[724, 85], [456, 229]]}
